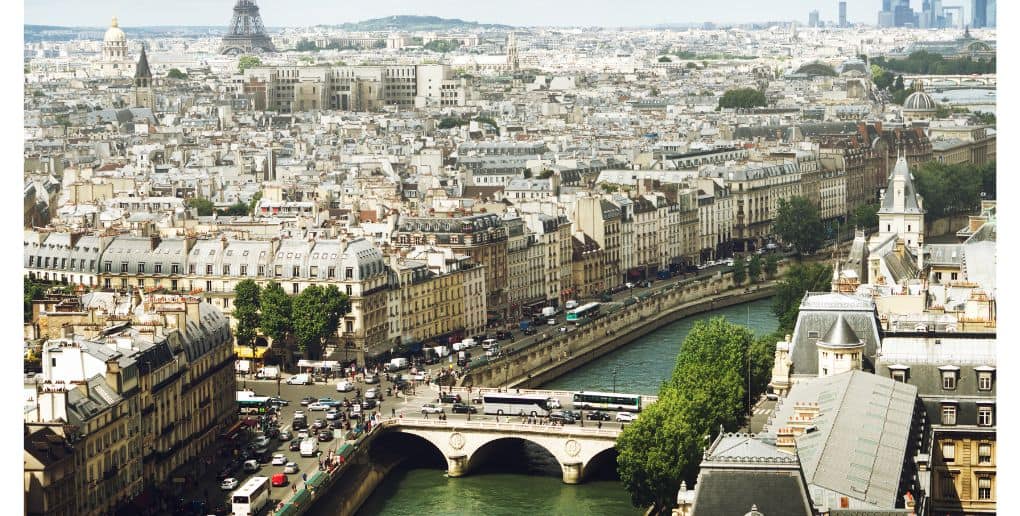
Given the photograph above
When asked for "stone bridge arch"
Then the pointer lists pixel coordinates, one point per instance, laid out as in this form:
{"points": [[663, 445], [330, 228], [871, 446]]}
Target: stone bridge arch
{"points": [[573, 449]]}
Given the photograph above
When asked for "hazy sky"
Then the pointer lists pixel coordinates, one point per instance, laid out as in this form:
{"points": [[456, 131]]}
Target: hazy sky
{"points": [[608, 13]]}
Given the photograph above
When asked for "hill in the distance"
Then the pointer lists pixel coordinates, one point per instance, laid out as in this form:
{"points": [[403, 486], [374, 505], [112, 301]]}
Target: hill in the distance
{"points": [[416, 23]]}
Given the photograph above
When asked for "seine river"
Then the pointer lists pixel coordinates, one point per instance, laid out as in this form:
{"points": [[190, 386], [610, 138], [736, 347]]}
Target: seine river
{"points": [[532, 485]]}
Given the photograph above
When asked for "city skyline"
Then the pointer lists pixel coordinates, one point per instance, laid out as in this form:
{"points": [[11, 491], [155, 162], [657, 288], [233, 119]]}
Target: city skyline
{"points": [[527, 13]]}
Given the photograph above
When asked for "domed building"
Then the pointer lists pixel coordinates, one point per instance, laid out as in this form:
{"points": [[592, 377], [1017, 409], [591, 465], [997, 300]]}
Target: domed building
{"points": [[115, 61], [919, 105]]}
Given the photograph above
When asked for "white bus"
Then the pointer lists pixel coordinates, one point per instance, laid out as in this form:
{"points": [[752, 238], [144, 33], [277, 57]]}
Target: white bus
{"points": [[607, 401], [515, 405], [250, 498]]}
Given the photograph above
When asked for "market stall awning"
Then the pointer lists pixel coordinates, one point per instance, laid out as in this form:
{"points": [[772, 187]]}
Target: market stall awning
{"points": [[246, 352]]}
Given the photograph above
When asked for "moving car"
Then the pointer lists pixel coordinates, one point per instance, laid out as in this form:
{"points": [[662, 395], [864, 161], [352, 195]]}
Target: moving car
{"points": [[460, 408], [371, 378], [372, 393], [290, 468], [279, 479], [598, 415], [562, 417], [295, 445], [278, 401], [625, 417], [431, 408], [325, 436], [318, 406], [332, 414], [344, 386], [319, 424], [229, 484], [251, 466], [300, 379], [445, 397], [369, 404], [279, 459], [285, 435], [307, 400]]}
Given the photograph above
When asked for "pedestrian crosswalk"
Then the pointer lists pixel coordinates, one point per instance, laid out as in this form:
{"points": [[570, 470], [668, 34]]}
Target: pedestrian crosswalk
{"points": [[762, 410]]}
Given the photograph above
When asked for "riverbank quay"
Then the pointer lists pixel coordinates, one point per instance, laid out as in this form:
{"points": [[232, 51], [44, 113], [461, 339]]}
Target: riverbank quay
{"points": [[616, 327]]}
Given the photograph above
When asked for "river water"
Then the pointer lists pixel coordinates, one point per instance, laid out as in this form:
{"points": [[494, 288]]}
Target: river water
{"points": [[532, 485]]}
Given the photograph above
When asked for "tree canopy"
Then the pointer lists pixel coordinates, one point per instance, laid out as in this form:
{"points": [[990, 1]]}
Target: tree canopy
{"points": [[175, 73], [205, 207], [246, 62], [246, 311], [797, 223], [754, 268], [442, 45], [799, 279], [743, 98], [954, 189], [926, 63], [276, 312], [33, 290], [739, 272], [317, 312], [771, 265], [865, 216], [707, 389]]}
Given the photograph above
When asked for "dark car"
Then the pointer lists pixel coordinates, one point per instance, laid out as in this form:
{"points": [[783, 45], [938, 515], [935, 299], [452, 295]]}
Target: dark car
{"points": [[278, 401], [338, 424], [503, 335], [325, 436], [319, 424], [529, 331], [307, 400], [461, 408], [369, 404], [449, 398], [562, 417], [598, 415], [225, 473]]}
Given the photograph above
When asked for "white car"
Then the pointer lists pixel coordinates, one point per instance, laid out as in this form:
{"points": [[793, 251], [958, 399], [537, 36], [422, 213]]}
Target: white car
{"points": [[332, 414], [318, 406], [431, 408], [229, 484], [629, 285], [419, 376], [290, 468], [344, 386], [299, 413], [279, 460], [302, 434], [625, 417]]}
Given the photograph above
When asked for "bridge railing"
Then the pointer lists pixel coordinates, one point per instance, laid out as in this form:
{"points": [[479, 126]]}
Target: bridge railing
{"points": [[468, 392], [501, 427]]}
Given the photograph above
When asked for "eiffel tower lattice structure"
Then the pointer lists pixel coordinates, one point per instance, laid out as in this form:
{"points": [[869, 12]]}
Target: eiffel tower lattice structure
{"points": [[246, 33]]}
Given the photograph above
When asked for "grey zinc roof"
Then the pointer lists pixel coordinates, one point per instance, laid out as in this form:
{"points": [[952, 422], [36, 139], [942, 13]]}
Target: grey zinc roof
{"points": [[900, 171], [863, 430], [841, 334], [943, 254], [734, 491], [818, 312], [923, 356]]}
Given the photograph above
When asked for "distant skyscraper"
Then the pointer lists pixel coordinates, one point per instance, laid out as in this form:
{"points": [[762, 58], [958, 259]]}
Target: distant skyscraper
{"points": [[842, 13], [990, 14], [812, 18], [887, 5], [979, 14], [938, 17]]}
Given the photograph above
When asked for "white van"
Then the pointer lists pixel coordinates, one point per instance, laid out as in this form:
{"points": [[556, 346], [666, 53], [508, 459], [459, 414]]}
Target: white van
{"points": [[467, 344], [492, 350], [572, 304], [344, 386], [300, 379], [488, 343], [309, 447]]}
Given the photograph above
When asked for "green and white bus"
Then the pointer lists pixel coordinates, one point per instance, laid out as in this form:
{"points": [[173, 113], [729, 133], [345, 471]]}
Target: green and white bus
{"points": [[607, 401], [583, 313]]}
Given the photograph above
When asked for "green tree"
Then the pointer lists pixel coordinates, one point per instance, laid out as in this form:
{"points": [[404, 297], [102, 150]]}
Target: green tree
{"points": [[797, 223], [665, 59], [175, 73], [306, 46], [898, 84], [254, 203], [743, 98], [447, 123], [238, 209], [246, 311], [438, 45], [739, 273], [205, 207], [771, 265], [246, 62], [951, 189], [276, 311], [865, 216], [754, 268], [317, 313], [799, 279], [988, 180], [33, 291], [983, 117]]}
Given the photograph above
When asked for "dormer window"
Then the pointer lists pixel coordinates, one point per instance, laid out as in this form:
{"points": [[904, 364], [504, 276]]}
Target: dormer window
{"points": [[950, 375], [984, 380]]}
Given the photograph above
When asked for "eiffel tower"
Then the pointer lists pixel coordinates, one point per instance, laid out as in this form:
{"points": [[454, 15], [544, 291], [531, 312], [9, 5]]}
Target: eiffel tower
{"points": [[246, 33]]}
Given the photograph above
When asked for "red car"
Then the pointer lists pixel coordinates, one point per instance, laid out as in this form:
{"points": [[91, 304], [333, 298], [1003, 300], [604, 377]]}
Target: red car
{"points": [[279, 479]]}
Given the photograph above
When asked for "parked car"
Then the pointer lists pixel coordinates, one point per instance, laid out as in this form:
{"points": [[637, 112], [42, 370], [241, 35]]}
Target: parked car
{"points": [[325, 436], [461, 408], [290, 468], [225, 473], [279, 459], [598, 415], [431, 408], [625, 417], [295, 444], [279, 479], [229, 484], [251, 466]]}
